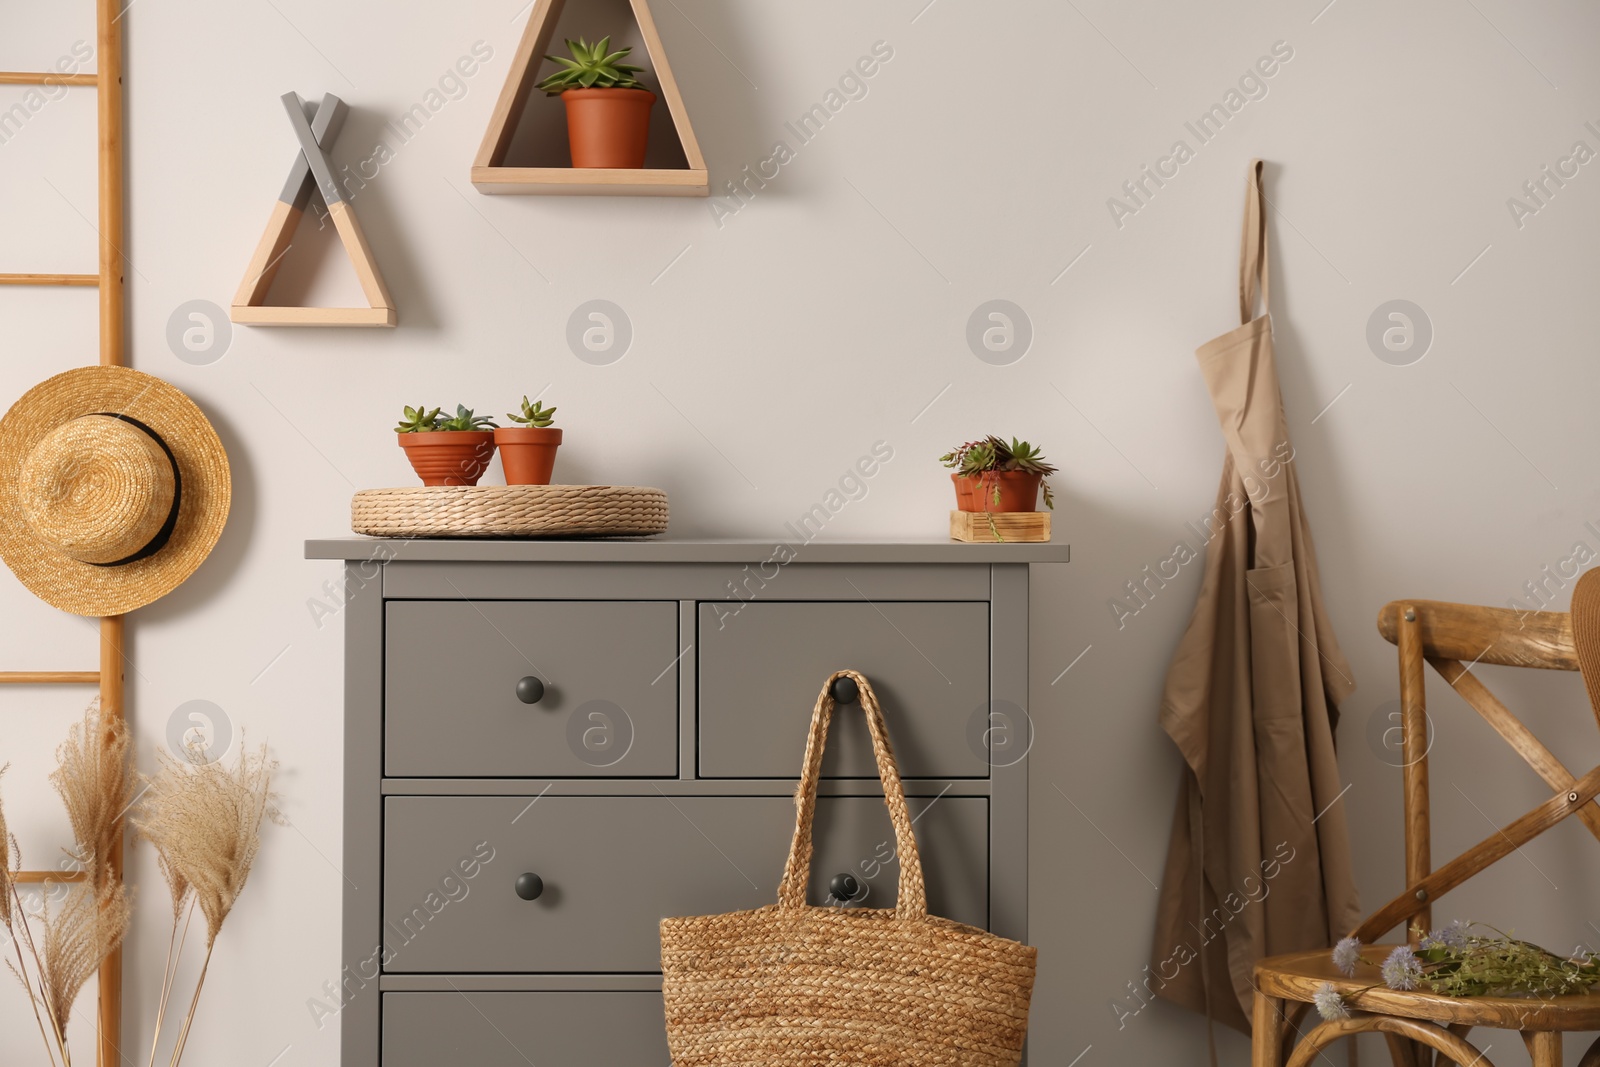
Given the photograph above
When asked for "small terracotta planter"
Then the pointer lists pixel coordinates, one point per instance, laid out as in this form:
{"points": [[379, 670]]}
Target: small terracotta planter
{"points": [[1019, 491], [965, 485], [528, 453], [608, 128], [449, 457]]}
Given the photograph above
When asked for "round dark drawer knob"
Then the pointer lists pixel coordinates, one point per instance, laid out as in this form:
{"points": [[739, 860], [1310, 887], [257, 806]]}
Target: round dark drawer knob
{"points": [[530, 691], [529, 886], [845, 691], [844, 886]]}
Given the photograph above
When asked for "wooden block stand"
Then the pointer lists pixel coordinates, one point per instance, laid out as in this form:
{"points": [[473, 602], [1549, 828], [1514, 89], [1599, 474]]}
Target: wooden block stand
{"points": [[974, 526]]}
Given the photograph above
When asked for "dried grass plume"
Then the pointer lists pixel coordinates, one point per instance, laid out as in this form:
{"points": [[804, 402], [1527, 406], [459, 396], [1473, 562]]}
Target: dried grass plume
{"points": [[95, 779], [205, 821], [84, 920], [6, 863], [75, 938]]}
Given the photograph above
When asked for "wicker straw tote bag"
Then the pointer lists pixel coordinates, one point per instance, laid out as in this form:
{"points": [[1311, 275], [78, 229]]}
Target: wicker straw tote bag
{"points": [[792, 984]]}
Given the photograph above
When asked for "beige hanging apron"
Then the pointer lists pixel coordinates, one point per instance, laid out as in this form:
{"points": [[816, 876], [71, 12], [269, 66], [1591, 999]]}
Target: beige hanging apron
{"points": [[1259, 862]]}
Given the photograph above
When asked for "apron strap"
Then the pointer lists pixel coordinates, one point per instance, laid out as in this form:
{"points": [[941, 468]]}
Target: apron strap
{"points": [[1197, 834], [1253, 248]]}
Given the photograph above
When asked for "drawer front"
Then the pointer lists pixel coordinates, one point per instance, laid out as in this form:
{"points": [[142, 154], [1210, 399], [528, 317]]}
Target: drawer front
{"points": [[612, 867], [610, 701], [515, 1029], [761, 669]]}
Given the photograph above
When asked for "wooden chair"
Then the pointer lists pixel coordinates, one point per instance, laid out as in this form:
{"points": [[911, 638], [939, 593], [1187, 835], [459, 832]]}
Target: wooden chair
{"points": [[1425, 1029]]}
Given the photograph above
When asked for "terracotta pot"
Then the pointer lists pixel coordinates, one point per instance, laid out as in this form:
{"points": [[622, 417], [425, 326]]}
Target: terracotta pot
{"points": [[1019, 491], [965, 484], [608, 127], [528, 453], [449, 457]]}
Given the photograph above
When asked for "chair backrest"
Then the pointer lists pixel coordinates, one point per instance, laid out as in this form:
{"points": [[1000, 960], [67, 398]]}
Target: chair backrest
{"points": [[1453, 638]]}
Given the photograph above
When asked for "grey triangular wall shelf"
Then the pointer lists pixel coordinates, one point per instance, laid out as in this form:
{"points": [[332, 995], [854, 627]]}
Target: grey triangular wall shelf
{"points": [[312, 171]]}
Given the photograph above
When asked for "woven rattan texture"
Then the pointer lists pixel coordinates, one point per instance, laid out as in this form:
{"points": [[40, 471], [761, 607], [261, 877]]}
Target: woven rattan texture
{"points": [[790, 984], [510, 511]]}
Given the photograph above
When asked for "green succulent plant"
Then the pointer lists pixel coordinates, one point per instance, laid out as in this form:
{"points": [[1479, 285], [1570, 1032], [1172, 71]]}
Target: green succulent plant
{"points": [[1026, 457], [591, 67], [534, 414], [418, 420], [464, 419], [975, 458]]}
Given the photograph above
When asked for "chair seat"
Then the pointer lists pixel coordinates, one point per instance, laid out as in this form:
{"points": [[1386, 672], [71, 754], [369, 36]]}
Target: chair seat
{"points": [[1297, 976]]}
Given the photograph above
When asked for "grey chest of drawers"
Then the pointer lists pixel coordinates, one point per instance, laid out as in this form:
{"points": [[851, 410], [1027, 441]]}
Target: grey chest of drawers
{"points": [[549, 746]]}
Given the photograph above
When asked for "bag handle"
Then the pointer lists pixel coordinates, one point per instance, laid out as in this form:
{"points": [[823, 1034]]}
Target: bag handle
{"points": [[912, 899], [1253, 247]]}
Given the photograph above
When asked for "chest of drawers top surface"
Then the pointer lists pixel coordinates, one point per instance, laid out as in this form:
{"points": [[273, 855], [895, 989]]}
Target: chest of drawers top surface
{"points": [[669, 550]]}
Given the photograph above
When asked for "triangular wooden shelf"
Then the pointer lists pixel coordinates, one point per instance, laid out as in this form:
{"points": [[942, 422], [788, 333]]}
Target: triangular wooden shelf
{"points": [[247, 307], [490, 176], [312, 170]]}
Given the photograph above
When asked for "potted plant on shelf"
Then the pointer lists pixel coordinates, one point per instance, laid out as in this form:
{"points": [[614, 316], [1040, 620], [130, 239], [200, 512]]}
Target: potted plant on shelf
{"points": [[993, 476], [447, 451], [528, 450], [608, 111]]}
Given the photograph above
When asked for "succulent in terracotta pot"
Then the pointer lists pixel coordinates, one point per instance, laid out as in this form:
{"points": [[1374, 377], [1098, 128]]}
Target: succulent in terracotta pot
{"points": [[447, 450], [993, 476], [528, 449], [608, 111]]}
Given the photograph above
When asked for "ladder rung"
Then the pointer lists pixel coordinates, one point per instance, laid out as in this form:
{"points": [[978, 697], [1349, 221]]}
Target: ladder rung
{"points": [[49, 677], [45, 77], [49, 279], [38, 877]]}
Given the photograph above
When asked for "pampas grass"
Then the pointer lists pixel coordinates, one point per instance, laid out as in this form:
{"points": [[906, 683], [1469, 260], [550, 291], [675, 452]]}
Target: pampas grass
{"points": [[204, 820], [95, 781], [82, 931], [11, 912], [5, 863]]}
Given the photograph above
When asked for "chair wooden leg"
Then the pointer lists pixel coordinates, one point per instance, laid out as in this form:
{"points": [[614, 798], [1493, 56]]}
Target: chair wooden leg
{"points": [[1266, 1032], [1402, 1051], [1294, 1013], [1544, 1047], [1592, 1057], [1442, 1059]]}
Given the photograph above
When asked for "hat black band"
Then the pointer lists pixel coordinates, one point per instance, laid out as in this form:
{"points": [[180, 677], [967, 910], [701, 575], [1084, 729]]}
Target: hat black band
{"points": [[163, 535]]}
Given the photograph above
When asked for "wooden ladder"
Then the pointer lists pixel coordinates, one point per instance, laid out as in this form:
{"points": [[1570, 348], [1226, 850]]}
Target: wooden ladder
{"points": [[113, 352]]}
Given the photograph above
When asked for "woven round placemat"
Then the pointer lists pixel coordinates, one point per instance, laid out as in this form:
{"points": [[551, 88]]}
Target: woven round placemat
{"points": [[510, 511]]}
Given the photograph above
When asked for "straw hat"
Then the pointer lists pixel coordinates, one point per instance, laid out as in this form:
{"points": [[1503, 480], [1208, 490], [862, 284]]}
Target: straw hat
{"points": [[113, 489]]}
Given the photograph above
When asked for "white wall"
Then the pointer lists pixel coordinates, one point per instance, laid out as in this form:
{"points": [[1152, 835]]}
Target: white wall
{"points": [[771, 350]]}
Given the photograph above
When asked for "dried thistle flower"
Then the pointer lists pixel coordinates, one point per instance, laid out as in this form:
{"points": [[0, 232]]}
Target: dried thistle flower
{"points": [[1452, 935], [1402, 969], [1346, 954], [1330, 1005]]}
